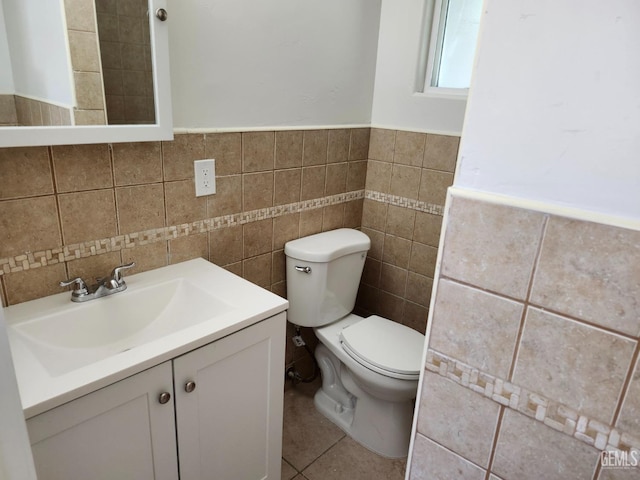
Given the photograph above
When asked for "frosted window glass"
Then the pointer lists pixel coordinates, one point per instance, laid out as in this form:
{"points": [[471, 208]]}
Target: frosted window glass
{"points": [[458, 43]]}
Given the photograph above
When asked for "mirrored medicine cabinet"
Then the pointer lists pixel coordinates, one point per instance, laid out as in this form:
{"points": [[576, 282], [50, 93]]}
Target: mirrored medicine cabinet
{"points": [[84, 71]]}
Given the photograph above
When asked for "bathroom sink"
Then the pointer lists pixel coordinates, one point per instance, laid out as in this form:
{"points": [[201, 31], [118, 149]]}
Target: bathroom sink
{"points": [[88, 332], [62, 350]]}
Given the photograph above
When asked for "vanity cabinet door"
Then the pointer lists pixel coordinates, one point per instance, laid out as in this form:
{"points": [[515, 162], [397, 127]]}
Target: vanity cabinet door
{"points": [[229, 418], [119, 432]]}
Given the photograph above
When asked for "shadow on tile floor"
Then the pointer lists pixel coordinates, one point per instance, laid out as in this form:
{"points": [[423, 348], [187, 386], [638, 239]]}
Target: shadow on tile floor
{"points": [[313, 448]]}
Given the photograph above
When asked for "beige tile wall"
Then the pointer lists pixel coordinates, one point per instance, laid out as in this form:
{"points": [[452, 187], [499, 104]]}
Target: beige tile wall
{"points": [[30, 112], [407, 177], [85, 62], [8, 114], [80, 210], [126, 60], [532, 366]]}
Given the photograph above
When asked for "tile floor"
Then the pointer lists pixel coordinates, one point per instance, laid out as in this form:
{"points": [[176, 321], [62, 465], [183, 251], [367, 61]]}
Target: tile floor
{"points": [[313, 448]]}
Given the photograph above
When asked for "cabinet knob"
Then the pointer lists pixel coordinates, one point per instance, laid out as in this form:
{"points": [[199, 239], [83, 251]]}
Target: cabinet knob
{"points": [[162, 14], [189, 387], [164, 397]]}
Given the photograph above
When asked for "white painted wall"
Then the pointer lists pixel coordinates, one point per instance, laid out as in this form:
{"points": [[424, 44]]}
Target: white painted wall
{"points": [[554, 109], [16, 462], [252, 63], [6, 73], [38, 48], [395, 103]]}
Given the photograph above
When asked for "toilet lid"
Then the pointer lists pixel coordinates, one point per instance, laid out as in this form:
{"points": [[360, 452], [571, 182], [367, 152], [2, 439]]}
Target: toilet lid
{"points": [[384, 346]]}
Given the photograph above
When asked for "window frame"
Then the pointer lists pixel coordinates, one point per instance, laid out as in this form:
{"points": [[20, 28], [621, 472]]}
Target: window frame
{"points": [[430, 52]]}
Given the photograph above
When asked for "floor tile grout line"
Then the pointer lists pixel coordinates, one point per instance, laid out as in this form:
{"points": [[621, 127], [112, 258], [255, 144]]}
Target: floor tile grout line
{"points": [[344, 435], [289, 463], [340, 447]]}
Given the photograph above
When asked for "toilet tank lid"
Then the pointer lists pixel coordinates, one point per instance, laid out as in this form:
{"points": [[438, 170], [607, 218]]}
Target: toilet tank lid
{"points": [[327, 246]]}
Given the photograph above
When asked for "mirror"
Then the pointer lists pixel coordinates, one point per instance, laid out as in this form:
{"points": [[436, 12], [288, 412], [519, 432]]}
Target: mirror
{"points": [[83, 71]]}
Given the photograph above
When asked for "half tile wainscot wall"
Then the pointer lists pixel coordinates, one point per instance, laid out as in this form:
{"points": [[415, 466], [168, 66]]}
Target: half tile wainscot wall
{"points": [[79, 210], [532, 364], [68, 211], [407, 179]]}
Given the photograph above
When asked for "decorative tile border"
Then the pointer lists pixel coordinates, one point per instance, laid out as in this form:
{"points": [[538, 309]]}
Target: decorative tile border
{"points": [[405, 202], [553, 414], [65, 253]]}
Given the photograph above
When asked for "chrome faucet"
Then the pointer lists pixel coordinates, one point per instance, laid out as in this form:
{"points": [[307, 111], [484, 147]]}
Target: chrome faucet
{"points": [[103, 287]]}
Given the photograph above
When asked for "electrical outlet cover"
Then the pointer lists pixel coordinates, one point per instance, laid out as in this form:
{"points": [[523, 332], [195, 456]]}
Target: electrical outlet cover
{"points": [[205, 177]]}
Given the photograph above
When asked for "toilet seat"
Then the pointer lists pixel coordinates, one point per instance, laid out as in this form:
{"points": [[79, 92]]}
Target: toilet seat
{"points": [[383, 346]]}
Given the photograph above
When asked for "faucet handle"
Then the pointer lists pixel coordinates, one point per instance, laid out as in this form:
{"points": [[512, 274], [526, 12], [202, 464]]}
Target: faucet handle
{"points": [[117, 276], [80, 288]]}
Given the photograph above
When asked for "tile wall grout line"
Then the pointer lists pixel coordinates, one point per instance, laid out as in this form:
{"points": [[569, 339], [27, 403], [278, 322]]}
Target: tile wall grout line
{"points": [[597, 470], [405, 202], [537, 306], [525, 307], [494, 443], [453, 452], [482, 289], [57, 201], [4, 300], [599, 435], [584, 322], [30, 260], [625, 386]]}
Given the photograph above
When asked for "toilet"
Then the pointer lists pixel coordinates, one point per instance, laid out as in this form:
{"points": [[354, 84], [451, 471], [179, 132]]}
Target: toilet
{"points": [[370, 366]]}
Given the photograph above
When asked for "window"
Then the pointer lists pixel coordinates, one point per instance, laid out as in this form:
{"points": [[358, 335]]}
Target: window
{"points": [[450, 31]]}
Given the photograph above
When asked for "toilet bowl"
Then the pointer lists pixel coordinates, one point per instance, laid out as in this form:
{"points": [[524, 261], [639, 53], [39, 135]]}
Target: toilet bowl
{"points": [[370, 366]]}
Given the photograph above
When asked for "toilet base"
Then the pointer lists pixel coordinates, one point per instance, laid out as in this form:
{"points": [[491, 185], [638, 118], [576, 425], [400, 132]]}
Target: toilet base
{"points": [[381, 426], [334, 411]]}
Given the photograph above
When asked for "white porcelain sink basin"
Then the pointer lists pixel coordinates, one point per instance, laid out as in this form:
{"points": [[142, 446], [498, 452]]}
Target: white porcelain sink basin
{"points": [[92, 331], [62, 350]]}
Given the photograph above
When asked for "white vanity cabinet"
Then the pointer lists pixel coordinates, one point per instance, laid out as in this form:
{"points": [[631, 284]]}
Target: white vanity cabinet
{"points": [[230, 425], [121, 431], [226, 403]]}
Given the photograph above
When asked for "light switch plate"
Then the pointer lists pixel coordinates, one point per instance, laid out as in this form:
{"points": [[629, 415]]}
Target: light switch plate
{"points": [[205, 174]]}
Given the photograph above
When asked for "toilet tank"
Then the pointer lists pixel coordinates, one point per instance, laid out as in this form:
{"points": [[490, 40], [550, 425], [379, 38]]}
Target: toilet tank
{"points": [[323, 275]]}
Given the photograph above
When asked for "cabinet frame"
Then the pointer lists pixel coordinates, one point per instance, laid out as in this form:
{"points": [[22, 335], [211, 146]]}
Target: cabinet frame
{"points": [[246, 368]]}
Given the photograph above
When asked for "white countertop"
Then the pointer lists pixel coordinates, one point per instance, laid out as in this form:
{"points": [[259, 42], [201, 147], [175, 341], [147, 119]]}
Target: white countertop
{"points": [[41, 390]]}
